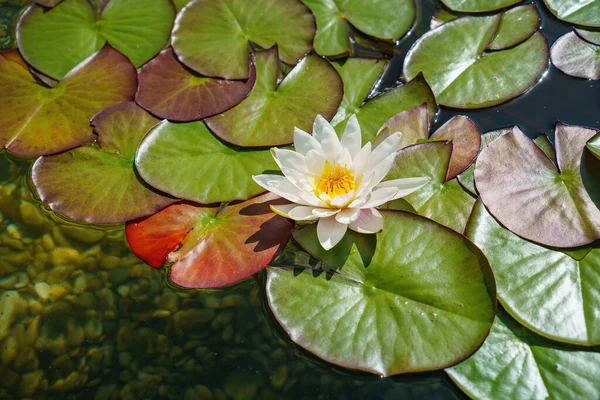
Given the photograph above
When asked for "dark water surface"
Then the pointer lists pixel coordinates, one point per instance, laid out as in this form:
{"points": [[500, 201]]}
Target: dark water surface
{"points": [[82, 318]]}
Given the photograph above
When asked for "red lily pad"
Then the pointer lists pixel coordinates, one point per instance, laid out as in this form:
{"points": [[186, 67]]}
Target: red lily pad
{"points": [[534, 198], [98, 184], [210, 247], [168, 90], [37, 120], [576, 57]]}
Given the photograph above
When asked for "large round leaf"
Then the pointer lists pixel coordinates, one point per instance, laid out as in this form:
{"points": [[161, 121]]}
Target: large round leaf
{"points": [[187, 161], [383, 19], [99, 185], [576, 57], [580, 12], [514, 363], [210, 247], [516, 26], [463, 75], [211, 37], [169, 90], [478, 5], [55, 41], [268, 116], [425, 300], [533, 197], [37, 120], [554, 293], [443, 201]]}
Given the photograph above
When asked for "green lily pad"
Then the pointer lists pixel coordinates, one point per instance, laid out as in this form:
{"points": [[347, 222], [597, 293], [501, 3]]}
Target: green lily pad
{"points": [[475, 6], [418, 309], [187, 161], [576, 57], [593, 145], [383, 19], [533, 197], [211, 37], [463, 74], [544, 143], [168, 90], [37, 120], [209, 247], [179, 4], [548, 291], [579, 12], [443, 201], [358, 76], [517, 25], [98, 184], [515, 363], [55, 41], [48, 3], [443, 15], [273, 108], [588, 35]]}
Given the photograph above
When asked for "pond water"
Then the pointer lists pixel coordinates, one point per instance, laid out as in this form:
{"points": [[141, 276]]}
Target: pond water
{"points": [[82, 317]]}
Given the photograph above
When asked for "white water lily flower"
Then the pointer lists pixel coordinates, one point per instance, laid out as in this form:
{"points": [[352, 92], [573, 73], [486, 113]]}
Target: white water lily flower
{"points": [[336, 182]]}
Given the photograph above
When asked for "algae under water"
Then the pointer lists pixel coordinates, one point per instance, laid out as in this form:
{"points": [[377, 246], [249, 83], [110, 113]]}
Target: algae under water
{"points": [[82, 317]]}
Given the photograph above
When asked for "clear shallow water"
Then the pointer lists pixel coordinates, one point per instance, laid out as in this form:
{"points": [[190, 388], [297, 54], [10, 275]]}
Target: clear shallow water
{"points": [[82, 317]]}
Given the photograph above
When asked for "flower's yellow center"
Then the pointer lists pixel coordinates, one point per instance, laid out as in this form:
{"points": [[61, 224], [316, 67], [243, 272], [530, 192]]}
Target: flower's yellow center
{"points": [[335, 180]]}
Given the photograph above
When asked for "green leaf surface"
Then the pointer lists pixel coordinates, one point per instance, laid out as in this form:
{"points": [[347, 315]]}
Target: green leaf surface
{"points": [[443, 15], [517, 25], [55, 41], [211, 37], [588, 35], [579, 12], [99, 185], [515, 363], [443, 201], [179, 4], [478, 5], [37, 120], [463, 75], [425, 300], [593, 145], [9, 16], [544, 143], [383, 19], [533, 197], [272, 110], [168, 90], [548, 291], [576, 57], [187, 161]]}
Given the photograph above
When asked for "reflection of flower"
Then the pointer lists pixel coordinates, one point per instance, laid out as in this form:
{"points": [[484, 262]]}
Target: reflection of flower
{"points": [[337, 182]]}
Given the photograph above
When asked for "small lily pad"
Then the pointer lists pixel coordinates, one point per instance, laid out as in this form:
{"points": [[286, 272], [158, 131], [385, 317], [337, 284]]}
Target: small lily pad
{"points": [[475, 6], [576, 57], [210, 247], [579, 12], [533, 197], [383, 19], [443, 201], [550, 292], [187, 161], [463, 74], [421, 308], [517, 25], [37, 120], [273, 108], [515, 363], [592, 36], [98, 184], [211, 37], [593, 145], [169, 90], [55, 41]]}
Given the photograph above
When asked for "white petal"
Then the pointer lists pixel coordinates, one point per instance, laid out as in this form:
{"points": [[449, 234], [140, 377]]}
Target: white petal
{"points": [[315, 162], [312, 199], [328, 139], [361, 160], [351, 139], [347, 215], [384, 149], [405, 186], [325, 212], [380, 196], [381, 170], [295, 212], [330, 232], [289, 159], [342, 200], [369, 221], [304, 142], [281, 186], [345, 159]]}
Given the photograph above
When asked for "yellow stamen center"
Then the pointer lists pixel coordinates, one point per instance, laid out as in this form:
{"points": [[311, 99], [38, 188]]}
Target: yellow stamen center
{"points": [[335, 180]]}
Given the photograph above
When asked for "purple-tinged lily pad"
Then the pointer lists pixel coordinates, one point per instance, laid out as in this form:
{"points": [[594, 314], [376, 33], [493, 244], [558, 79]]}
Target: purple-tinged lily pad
{"points": [[517, 25], [168, 90], [383, 19], [211, 36], [533, 197], [48, 3], [273, 108], [98, 184], [37, 120], [591, 36], [476, 6], [576, 57], [422, 300], [215, 247]]}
